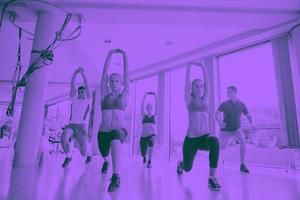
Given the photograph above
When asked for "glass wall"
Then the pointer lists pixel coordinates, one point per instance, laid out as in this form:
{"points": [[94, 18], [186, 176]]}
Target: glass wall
{"points": [[252, 71]]}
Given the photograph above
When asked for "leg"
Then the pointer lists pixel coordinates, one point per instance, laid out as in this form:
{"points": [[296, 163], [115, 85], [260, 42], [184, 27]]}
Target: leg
{"points": [[224, 138], [116, 155], [144, 148], [150, 152], [65, 140], [241, 138], [214, 149], [211, 144], [189, 153], [104, 140], [151, 144], [118, 136]]}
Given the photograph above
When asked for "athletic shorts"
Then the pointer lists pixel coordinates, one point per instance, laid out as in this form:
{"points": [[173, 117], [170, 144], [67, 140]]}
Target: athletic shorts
{"points": [[80, 137], [105, 138], [146, 142]]}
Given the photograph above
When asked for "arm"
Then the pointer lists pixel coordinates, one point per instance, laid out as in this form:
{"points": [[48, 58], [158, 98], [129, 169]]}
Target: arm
{"points": [[219, 117], [188, 84], [248, 116], [73, 88], [143, 105], [126, 75], [104, 80], [205, 81], [156, 105], [88, 91]]}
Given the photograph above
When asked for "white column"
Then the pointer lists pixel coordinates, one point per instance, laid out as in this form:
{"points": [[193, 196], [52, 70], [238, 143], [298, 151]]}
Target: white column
{"points": [[295, 57], [30, 127], [286, 96], [296, 53], [163, 125]]}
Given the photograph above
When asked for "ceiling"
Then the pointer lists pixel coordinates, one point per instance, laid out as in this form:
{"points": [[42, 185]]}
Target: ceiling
{"points": [[148, 32]]}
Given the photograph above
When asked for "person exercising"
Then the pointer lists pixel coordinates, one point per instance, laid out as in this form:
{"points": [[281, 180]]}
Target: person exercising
{"points": [[112, 132], [230, 123], [76, 129], [148, 128], [198, 136]]}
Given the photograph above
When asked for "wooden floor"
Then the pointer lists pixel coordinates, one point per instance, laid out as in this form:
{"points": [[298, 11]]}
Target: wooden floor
{"points": [[137, 182]]}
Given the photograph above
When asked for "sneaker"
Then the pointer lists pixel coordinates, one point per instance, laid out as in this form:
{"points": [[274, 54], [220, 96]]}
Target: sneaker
{"points": [[114, 183], [88, 159], [144, 160], [66, 162], [244, 168], [104, 167], [213, 184], [149, 165], [180, 167]]}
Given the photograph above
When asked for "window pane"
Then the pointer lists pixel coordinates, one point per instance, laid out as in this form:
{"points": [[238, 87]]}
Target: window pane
{"points": [[252, 71]]}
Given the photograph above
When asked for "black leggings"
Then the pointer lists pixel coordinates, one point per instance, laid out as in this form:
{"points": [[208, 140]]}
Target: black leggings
{"points": [[192, 145], [146, 142]]}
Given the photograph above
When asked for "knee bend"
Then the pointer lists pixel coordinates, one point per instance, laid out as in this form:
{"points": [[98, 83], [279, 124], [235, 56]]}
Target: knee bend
{"points": [[151, 143]]}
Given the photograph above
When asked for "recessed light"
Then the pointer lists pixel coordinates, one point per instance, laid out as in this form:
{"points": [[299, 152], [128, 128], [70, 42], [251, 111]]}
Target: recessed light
{"points": [[107, 41], [169, 43]]}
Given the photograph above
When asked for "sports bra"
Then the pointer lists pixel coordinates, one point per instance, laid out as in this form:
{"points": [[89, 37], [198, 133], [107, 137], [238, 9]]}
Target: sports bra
{"points": [[148, 119], [108, 103], [197, 105]]}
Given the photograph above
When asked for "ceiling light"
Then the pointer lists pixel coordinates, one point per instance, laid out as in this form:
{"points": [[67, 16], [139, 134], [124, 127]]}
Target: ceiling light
{"points": [[107, 41], [169, 43]]}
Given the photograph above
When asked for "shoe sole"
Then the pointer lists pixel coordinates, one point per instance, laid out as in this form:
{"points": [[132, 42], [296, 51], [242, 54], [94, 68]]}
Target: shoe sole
{"points": [[214, 189], [114, 190]]}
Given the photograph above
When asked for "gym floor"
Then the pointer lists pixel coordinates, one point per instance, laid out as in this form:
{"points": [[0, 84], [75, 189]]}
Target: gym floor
{"points": [[81, 181]]}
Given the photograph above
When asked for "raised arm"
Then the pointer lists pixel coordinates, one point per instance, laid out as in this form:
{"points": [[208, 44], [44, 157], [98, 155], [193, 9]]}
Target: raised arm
{"points": [[187, 95], [104, 80], [143, 105], [156, 104], [126, 74], [73, 88], [86, 84], [205, 81]]}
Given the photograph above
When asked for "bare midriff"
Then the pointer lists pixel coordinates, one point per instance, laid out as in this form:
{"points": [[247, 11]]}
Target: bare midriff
{"points": [[112, 119], [198, 124]]}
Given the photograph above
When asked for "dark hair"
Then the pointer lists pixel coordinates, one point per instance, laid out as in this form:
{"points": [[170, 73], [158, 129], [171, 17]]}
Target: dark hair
{"points": [[232, 88], [81, 87]]}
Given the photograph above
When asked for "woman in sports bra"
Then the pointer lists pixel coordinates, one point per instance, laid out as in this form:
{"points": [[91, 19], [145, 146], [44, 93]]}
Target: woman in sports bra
{"points": [[198, 136], [148, 128], [113, 103]]}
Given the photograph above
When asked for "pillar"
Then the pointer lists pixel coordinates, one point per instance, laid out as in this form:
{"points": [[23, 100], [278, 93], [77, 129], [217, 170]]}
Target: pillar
{"points": [[295, 56], [163, 124], [31, 122], [286, 95]]}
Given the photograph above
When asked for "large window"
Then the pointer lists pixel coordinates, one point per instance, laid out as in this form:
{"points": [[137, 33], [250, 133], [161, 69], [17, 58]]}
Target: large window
{"points": [[252, 71]]}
